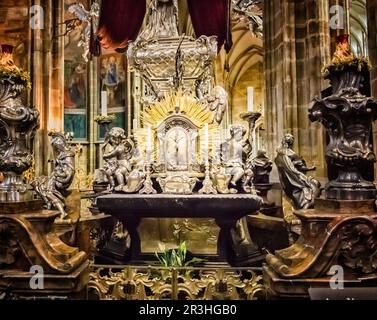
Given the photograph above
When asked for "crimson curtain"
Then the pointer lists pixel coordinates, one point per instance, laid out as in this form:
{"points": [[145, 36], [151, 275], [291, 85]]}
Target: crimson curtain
{"points": [[120, 22], [212, 18]]}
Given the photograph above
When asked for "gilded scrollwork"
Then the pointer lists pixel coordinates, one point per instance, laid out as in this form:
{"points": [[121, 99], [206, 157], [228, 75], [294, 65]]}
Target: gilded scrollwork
{"points": [[155, 283]]}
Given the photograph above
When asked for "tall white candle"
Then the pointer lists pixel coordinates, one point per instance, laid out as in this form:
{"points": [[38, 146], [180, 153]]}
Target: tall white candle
{"points": [[250, 99], [104, 103], [149, 142], [206, 142]]}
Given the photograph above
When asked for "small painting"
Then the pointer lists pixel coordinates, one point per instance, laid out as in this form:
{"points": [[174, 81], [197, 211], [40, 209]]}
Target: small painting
{"points": [[113, 79], [75, 85]]}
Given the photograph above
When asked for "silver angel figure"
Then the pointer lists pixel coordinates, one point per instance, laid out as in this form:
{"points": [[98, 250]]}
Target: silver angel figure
{"points": [[52, 188], [217, 102], [90, 19], [231, 154], [250, 10]]}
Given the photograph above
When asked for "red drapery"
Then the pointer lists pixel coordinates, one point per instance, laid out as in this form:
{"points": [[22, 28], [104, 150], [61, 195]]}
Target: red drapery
{"points": [[120, 22], [211, 18]]}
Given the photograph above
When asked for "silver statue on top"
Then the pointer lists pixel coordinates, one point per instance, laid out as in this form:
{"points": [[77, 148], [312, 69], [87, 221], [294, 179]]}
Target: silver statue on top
{"points": [[162, 20], [251, 11], [53, 189], [160, 46]]}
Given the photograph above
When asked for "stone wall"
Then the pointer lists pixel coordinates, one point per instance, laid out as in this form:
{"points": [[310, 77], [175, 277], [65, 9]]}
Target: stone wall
{"points": [[253, 77], [372, 44], [297, 46]]}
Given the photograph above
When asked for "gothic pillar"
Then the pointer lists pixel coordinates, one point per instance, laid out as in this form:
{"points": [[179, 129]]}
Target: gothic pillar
{"points": [[48, 77], [94, 103], [39, 96], [372, 49], [372, 43], [297, 46]]}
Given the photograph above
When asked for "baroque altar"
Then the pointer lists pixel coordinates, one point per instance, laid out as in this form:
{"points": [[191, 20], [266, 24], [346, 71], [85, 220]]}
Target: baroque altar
{"points": [[181, 155]]}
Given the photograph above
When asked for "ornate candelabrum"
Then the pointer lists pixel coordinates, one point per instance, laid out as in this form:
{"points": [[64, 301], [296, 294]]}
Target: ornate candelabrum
{"points": [[208, 187], [148, 183], [18, 124], [347, 116], [105, 121]]}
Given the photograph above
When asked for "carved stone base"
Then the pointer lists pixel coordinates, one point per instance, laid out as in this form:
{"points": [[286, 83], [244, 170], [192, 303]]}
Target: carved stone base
{"points": [[21, 206], [342, 233], [177, 184], [27, 239], [363, 190], [16, 285], [280, 288], [262, 226], [225, 209]]}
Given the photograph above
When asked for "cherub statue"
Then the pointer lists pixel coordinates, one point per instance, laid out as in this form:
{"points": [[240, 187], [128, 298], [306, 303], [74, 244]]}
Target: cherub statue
{"points": [[90, 19], [217, 102], [123, 167], [232, 154], [301, 189], [51, 189], [117, 165]]}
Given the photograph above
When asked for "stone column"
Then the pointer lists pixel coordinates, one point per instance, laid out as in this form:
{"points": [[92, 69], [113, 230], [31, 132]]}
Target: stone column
{"points": [[48, 78], [93, 108], [372, 49], [39, 95], [56, 83], [297, 46], [372, 42]]}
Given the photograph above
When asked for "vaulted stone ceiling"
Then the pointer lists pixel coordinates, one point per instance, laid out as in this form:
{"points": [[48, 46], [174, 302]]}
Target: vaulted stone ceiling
{"points": [[358, 27]]}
